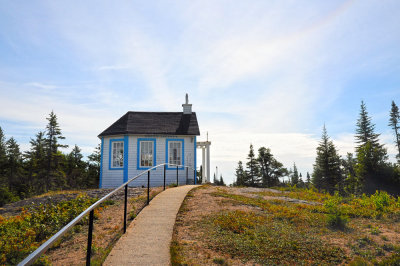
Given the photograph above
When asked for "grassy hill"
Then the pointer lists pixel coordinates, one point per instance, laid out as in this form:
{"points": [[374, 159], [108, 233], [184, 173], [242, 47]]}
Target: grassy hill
{"points": [[231, 226]]}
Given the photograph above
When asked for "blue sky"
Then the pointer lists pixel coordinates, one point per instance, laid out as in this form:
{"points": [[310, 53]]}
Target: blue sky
{"points": [[269, 73]]}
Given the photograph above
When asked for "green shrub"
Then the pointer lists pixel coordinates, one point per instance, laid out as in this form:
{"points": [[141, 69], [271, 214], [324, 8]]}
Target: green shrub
{"points": [[381, 200], [7, 196], [335, 213], [22, 234]]}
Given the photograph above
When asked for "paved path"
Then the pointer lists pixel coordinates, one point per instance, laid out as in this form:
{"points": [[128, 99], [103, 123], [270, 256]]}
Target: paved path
{"points": [[148, 237]]}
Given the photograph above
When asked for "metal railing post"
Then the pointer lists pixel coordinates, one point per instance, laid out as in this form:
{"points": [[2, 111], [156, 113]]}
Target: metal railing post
{"points": [[90, 234], [165, 166], [177, 180], [148, 187], [187, 175], [125, 207]]}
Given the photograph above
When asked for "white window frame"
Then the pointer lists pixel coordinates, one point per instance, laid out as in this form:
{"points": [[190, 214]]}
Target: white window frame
{"points": [[151, 151], [180, 153], [178, 156], [116, 145]]}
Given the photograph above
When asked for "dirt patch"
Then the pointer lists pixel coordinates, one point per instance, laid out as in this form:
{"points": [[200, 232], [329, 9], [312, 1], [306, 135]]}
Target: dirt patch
{"points": [[252, 192]]}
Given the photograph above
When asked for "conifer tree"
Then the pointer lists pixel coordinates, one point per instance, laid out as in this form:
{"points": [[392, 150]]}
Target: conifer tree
{"points": [[239, 172], [269, 168], [371, 155], [14, 166], [54, 176], [308, 182], [3, 160], [327, 168], [351, 182], [76, 167], [200, 175], [295, 175], [36, 163], [221, 181], [94, 167], [394, 123], [252, 168]]}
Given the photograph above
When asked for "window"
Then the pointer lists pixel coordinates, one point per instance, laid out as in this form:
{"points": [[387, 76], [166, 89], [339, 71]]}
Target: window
{"points": [[175, 153], [117, 153], [146, 153]]}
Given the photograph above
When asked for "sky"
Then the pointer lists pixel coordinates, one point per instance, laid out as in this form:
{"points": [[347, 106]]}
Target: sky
{"points": [[267, 73]]}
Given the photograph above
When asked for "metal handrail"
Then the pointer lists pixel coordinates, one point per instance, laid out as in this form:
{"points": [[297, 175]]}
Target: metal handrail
{"points": [[46, 245]]}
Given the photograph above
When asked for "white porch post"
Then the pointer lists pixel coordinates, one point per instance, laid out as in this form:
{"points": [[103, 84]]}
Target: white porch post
{"points": [[204, 167], [205, 149], [208, 163]]}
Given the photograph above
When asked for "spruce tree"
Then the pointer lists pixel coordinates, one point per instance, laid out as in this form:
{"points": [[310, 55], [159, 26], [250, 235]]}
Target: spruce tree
{"points": [[14, 167], [269, 168], [352, 184], [200, 175], [3, 160], [94, 167], [394, 123], [221, 181], [371, 155], [295, 175], [308, 182], [76, 169], [252, 167], [55, 178], [239, 172], [36, 163], [327, 172]]}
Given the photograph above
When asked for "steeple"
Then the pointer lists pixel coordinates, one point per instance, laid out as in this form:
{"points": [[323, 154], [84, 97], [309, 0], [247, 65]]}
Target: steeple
{"points": [[187, 108]]}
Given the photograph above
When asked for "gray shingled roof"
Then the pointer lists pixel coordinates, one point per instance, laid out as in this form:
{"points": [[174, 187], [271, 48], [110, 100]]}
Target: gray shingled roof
{"points": [[166, 123]]}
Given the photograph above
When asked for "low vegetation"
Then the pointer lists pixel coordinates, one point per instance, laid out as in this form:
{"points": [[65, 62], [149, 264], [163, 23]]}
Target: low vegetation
{"points": [[264, 227], [21, 234]]}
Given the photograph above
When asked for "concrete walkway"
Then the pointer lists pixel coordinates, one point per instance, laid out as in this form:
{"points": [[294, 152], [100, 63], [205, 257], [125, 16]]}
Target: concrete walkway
{"points": [[148, 237]]}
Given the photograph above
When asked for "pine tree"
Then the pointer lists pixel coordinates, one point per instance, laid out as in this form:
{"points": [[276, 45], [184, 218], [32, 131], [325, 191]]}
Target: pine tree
{"points": [[93, 174], [36, 164], [14, 167], [215, 181], [308, 182], [239, 172], [76, 169], [295, 175], [252, 168], [221, 181], [269, 168], [327, 172], [394, 122], [371, 155], [6, 195], [200, 175], [3, 160], [351, 182], [55, 178]]}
